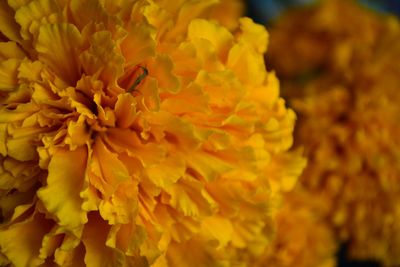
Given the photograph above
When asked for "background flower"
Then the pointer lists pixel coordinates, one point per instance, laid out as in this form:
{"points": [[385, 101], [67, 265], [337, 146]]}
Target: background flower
{"points": [[137, 133], [302, 238], [338, 66]]}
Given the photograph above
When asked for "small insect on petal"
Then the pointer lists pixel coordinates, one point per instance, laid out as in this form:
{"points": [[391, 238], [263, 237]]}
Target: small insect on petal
{"points": [[139, 79]]}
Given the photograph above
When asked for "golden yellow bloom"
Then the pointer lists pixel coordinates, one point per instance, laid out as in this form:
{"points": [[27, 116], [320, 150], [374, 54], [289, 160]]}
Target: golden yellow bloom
{"points": [[136, 133], [342, 76]]}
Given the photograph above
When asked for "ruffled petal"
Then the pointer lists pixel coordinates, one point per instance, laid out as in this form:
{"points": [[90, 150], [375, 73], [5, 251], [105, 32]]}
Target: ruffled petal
{"points": [[138, 46], [31, 16], [21, 242], [101, 59], [58, 46], [61, 194], [220, 37]]}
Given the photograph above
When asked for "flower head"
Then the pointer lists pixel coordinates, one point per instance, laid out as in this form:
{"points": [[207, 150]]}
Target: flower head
{"points": [[347, 97], [136, 133]]}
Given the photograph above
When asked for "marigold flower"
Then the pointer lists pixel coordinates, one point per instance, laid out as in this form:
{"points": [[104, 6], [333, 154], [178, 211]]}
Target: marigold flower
{"points": [[136, 133], [343, 80]]}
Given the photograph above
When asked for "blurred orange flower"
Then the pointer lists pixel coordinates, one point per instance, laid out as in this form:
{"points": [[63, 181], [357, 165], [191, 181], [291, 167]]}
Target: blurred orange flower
{"points": [[137, 133], [302, 238], [341, 75]]}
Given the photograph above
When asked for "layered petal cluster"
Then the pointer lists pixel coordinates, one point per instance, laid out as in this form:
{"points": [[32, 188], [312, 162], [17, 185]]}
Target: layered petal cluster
{"points": [[137, 133], [342, 76], [228, 13]]}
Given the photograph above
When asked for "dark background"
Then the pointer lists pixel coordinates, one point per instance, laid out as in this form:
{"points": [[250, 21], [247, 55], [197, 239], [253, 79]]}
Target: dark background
{"points": [[265, 11]]}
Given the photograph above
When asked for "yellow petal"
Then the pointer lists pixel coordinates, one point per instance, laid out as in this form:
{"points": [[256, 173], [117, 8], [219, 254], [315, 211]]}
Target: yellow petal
{"points": [[22, 148], [121, 207], [187, 12], [220, 37], [266, 95], [159, 18], [70, 256], [138, 45], [108, 171], [58, 46], [150, 95], [94, 238], [125, 110], [223, 88], [207, 165], [161, 69], [284, 170], [22, 241], [167, 172], [35, 14], [191, 99], [207, 55], [227, 13], [102, 58], [127, 237], [219, 228], [127, 141], [278, 133], [253, 34], [30, 71], [50, 242], [247, 64], [16, 4], [188, 196], [61, 194], [8, 25], [21, 112], [10, 50], [85, 12], [78, 133], [9, 74]]}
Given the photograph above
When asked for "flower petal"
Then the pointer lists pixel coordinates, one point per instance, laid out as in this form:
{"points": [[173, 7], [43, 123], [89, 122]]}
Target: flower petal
{"points": [[58, 46], [220, 37], [102, 59], [22, 241], [61, 194], [9, 74], [8, 26], [10, 50], [35, 14], [94, 238], [138, 45], [161, 69]]}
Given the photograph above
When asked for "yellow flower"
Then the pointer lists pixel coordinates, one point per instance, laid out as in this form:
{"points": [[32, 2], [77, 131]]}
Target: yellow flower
{"points": [[347, 97], [136, 133]]}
